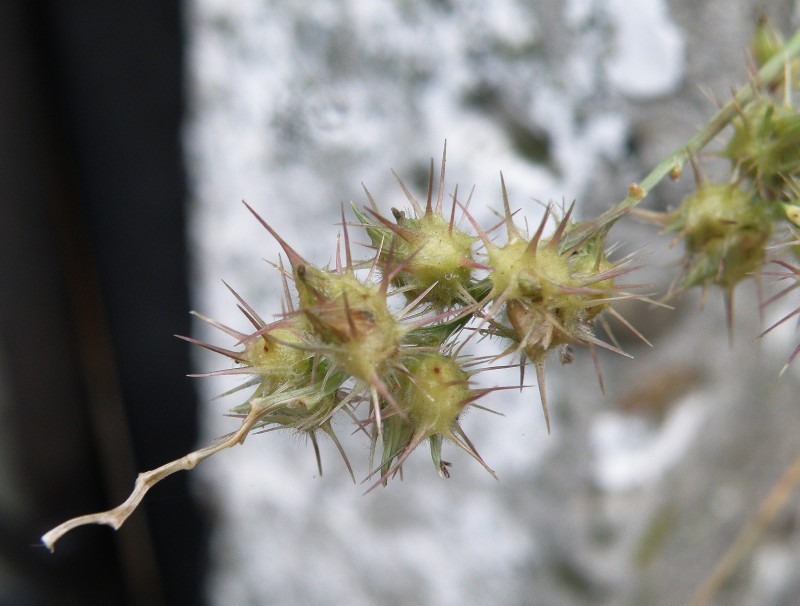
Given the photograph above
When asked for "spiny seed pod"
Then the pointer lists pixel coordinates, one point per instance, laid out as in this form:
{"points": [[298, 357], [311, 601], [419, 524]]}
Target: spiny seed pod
{"points": [[361, 334], [550, 296], [289, 391], [273, 354], [352, 329], [767, 42], [436, 255], [350, 319], [725, 230], [765, 145], [434, 391]]}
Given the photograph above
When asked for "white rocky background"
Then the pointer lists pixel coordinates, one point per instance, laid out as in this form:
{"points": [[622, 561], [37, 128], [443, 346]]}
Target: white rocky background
{"points": [[636, 494]]}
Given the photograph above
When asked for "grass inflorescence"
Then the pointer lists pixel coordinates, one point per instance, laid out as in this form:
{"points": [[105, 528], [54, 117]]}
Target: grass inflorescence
{"points": [[383, 342]]}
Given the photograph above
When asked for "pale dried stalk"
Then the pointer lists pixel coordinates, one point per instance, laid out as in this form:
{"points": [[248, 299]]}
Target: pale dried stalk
{"points": [[770, 507], [147, 479]]}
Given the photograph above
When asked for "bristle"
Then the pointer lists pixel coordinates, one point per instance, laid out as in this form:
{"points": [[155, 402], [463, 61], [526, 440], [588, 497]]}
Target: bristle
{"points": [[555, 240], [294, 258], [401, 231], [451, 224], [409, 197], [313, 438], [534, 243], [475, 265], [440, 195], [416, 440], [511, 229], [227, 330], [354, 332], [338, 255], [791, 358], [369, 197], [326, 427], [234, 355], [791, 314], [539, 366], [415, 302], [627, 325], [287, 296], [466, 204], [376, 412], [249, 311], [727, 295], [597, 370], [429, 199], [481, 234], [463, 442], [347, 252]]}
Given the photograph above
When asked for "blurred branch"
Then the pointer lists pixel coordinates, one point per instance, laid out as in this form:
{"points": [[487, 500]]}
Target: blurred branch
{"points": [[770, 507]]}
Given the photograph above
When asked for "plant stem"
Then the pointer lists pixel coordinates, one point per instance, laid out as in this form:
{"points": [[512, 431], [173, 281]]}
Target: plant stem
{"points": [[146, 480], [766, 76], [770, 507]]}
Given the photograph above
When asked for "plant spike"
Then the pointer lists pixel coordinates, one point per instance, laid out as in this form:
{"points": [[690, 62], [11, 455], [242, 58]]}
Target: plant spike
{"points": [[343, 347]]}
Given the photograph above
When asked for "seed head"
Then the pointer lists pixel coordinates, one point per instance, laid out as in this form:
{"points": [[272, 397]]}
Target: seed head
{"points": [[765, 146], [766, 42], [549, 296], [435, 254], [725, 230], [434, 391]]}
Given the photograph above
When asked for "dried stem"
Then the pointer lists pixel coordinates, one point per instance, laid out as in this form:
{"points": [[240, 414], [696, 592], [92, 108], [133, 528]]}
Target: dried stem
{"points": [[146, 480], [767, 511]]}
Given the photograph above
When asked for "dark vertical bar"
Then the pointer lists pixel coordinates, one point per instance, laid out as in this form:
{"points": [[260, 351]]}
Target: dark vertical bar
{"points": [[93, 286]]}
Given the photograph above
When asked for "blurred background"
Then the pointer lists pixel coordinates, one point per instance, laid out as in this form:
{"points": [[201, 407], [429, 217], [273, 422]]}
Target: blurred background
{"points": [[131, 134]]}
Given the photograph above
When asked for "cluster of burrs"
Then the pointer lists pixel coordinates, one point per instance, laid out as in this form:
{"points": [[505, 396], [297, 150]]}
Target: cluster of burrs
{"points": [[381, 340], [728, 227], [384, 342]]}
